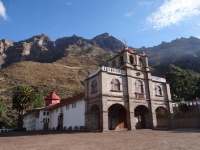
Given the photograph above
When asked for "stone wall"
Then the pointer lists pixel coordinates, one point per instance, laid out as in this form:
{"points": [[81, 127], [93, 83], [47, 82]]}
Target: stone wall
{"points": [[189, 119]]}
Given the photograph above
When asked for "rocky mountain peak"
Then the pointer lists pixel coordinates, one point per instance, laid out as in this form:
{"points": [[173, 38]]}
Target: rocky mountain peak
{"points": [[108, 42]]}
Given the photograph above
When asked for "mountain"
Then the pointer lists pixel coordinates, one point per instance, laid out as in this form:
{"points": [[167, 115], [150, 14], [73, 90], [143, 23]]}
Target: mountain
{"points": [[182, 52], [41, 49]]}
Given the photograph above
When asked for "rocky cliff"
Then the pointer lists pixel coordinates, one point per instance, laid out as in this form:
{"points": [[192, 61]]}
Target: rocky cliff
{"points": [[41, 49]]}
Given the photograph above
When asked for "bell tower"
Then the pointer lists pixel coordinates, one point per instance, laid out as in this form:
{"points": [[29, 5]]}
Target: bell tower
{"points": [[128, 58]]}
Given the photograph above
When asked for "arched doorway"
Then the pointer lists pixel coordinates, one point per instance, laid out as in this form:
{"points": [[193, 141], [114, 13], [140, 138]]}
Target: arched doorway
{"points": [[95, 118], [162, 117], [117, 117], [142, 116]]}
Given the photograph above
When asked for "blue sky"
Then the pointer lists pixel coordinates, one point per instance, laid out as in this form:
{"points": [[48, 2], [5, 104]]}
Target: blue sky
{"points": [[143, 22]]}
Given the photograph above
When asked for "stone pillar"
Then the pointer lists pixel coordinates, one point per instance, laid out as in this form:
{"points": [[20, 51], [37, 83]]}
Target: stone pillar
{"points": [[154, 120], [104, 121], [132, 121], [171, 121], [87, 121]]}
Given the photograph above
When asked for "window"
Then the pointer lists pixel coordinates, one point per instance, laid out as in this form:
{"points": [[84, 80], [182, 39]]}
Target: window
{"points": [[43, 119], [44, 113], [47, 113], [94, 86], [121, 60], [116, 85], [67, 107], [139, 86], [158, 90], [131, 59], [74, 105]]}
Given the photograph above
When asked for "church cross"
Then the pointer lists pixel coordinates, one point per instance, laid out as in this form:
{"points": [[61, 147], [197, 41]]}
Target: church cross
{"points": [[125, 41]]}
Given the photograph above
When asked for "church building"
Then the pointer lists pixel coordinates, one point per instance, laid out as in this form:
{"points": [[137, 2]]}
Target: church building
{"points": [[122, 96]]}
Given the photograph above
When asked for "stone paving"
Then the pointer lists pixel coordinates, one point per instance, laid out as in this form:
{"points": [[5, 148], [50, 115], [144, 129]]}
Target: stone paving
{"points": [[179, 139]]}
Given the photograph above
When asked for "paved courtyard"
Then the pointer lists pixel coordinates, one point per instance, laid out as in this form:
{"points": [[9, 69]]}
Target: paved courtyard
{"points": [[179, 139]]}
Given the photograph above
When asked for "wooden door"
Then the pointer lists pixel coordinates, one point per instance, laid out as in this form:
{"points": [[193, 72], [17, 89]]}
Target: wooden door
{"points": [[46, 126], [122, 119], [143, 122]]}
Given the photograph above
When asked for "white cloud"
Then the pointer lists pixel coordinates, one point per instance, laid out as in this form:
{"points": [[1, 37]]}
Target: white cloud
{"points": [[129, 14], [3, 11], [173, 12]]}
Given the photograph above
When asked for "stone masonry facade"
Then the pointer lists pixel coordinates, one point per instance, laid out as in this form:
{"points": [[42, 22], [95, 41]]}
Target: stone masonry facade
{"points": [[125, 95]]}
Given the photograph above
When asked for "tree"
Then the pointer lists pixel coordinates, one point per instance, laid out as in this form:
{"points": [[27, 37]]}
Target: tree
{"points": [[39, 100], [22, 100], [183, 83]]}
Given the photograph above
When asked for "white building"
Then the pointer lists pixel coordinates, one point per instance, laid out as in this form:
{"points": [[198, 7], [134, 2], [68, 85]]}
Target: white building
{"points": [[57, 114], [123, 95]]}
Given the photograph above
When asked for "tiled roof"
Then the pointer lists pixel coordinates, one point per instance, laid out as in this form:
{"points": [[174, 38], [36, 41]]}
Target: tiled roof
{"points": [[52, 96], [62, 102]]}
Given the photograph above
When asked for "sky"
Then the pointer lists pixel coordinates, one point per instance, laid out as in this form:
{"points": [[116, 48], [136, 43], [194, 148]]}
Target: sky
{"points": [[142, 22]]}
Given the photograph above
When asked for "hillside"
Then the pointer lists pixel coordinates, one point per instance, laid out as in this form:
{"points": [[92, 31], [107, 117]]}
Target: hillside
{"points": [[183, 52], [65, 75]]}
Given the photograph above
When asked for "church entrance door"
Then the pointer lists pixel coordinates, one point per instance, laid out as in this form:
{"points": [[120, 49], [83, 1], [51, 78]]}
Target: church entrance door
{"points": [[117, 117], [143, 121], [142, 115], [122, 118]]}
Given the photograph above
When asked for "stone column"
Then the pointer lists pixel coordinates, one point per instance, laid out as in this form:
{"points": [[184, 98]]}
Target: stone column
{"points": [[104, 121], [154, 120], [132, 121], [87, 121]]}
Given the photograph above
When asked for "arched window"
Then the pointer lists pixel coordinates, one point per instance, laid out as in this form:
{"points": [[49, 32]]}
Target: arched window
{"points": [[94, 86], [115, 85], [139, 86], [158, 90], [131, 59], [121, 60]]}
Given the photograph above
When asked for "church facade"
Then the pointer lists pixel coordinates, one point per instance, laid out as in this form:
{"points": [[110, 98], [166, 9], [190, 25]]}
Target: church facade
{"points": [[122, 96], [125, 95]]}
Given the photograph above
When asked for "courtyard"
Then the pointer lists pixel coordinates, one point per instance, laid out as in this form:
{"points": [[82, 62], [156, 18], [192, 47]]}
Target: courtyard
{"points": [[178, 139]]}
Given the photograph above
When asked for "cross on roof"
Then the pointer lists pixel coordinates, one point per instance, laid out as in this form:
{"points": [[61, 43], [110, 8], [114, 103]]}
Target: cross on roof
{"points": [[125, 41]]}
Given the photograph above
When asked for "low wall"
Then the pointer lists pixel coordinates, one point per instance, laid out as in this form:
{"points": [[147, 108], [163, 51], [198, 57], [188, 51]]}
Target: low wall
{"points": [[189, 119]]}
